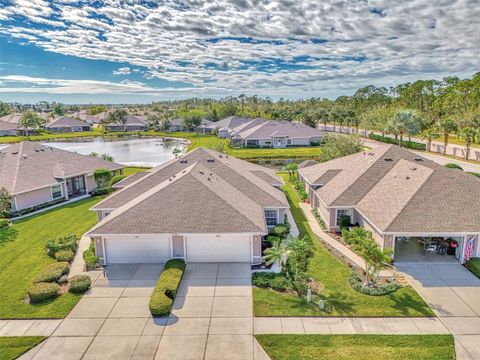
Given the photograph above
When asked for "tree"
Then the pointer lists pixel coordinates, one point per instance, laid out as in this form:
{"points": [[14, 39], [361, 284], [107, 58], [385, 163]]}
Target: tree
{"points": [[5, 202], [468, 135], [339, 145], [5, 109], [299, 250], [58, 110], [405, 122], [429, 135], [97, 109], [192, 118], [277, 254], [102, 177], [107, 157], [446, 126], [30, 120], [119, 116], [291, 167]]}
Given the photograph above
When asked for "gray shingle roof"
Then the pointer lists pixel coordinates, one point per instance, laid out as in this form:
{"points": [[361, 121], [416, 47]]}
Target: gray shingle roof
{"points": [[7, 126], [274, 128], [65, 122], [28, 165], [230, 122]]}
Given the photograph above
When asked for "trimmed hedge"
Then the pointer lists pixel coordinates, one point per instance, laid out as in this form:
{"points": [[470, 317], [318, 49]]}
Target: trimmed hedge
{"points": [[275, 281], [407, 144], [64, 255], [53, 272], [80, 283], [91, 260], [68, 242], [357, 284], [474, 174], [42, 291], [164, 293], [116, 179], [101, 191], [453, 166]]}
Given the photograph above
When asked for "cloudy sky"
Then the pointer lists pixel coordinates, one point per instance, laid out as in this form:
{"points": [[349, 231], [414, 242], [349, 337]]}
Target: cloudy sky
{"points": [[139, 51]]}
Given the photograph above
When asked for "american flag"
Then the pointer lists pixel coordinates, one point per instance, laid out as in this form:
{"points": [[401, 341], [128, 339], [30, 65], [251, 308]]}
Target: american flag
{"points": [[469, 248]]}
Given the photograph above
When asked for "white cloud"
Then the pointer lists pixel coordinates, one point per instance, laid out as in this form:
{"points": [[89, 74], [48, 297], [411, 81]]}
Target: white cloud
{"points": [[318, 42]]}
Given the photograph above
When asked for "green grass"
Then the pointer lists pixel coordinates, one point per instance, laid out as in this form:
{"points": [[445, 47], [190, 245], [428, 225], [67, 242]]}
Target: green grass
{"points": [[358, 347], [11, 347], [130, 170], [474, 266], [333, 274], [22, 256]]}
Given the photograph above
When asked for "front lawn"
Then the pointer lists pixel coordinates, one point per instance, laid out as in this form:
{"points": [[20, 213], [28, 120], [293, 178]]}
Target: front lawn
{"points": [[23, 256], [358, 347], [333, 274], [11, 347], [474, 266], [130, 170]]}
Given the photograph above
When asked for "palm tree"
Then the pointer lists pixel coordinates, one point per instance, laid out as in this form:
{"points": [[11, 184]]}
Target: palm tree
{"points": [[299, 250], [429, 135], [374, 257], [405, 122], [446, 126], [107, 157], [276, 254], [30, 119], [468, 135], [291, 167]]}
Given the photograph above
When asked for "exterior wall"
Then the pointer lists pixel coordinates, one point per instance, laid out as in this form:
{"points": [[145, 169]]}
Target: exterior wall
{"points": [[99, 248], [300, 142], [8, 132], [376, 235], [257, 249], [222, 134], [325, 213], [90, 183], [32, 198], [281, 216]]}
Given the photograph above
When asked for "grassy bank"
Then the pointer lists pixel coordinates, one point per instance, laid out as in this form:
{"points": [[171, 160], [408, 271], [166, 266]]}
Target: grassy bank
{"points": [[333, 274], [358, 347], [11, 347]]}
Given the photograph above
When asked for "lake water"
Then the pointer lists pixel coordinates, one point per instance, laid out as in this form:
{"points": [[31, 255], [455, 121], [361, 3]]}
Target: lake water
{"points": [[132, 152]]}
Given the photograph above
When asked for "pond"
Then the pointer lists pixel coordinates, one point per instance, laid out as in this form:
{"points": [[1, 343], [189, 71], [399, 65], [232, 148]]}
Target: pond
{"points": [[131, 152]]}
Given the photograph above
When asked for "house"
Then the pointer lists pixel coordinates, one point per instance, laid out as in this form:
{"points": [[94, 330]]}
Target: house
{"points": [[35, 175], [86, 117], [203, 207], [224, 126], [204, 127], [68, 125], [277, 134], [412, 205], [14, 119], [133, 124], [7, 129], [176, 125]]}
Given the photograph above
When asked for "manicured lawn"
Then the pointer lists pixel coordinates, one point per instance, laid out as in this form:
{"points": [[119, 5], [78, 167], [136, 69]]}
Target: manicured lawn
{"points": [[22, 256], [11, 347], [358, 347], [333, 274], [474, 266], [130, 170]]}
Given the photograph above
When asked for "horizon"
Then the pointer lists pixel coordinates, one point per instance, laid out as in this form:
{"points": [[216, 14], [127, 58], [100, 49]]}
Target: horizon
{"points": [[142, 52]]}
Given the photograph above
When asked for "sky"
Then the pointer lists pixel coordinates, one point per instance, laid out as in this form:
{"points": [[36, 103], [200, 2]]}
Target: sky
{"points": [[139, 51]]}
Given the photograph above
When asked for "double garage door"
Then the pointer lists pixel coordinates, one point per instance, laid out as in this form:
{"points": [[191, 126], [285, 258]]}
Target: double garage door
{"points": [[199, 248]]}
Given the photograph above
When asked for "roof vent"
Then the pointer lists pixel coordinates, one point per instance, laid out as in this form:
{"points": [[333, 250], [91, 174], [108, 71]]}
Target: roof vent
{"points": [[388, 159], [183, 161], [211, 160], [15, 152], [418, 159], [37, 150], [201, 173], [24, 156]]}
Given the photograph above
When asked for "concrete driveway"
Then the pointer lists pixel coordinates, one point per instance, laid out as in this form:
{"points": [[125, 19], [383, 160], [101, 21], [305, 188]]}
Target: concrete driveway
{"points": [[211, 318], [453, 293]]}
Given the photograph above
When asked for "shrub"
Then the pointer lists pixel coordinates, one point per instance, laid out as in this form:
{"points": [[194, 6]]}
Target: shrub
{"points": [[80, 283], [474, 174], [101, 191], [116, 179], [357, 284], [271, 239], [280, 231], [275, 281], [407, 144], [64, 255], [3, 223], [453, 166], [68, 242], [102, 177], [89, 257], [319, 219], [42, 291], [164, 293], [53, 272], [474, 266]]}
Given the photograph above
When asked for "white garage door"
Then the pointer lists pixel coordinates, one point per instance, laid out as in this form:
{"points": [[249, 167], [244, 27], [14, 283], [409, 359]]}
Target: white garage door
{"points": [[221, 248], [151, 249]]}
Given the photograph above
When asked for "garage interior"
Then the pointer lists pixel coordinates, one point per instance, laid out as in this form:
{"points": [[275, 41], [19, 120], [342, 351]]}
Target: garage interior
{"points": [[428, 249]]}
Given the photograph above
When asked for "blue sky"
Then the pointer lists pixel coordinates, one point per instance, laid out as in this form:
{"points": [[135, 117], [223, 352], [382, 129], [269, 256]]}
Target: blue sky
{"points": [[141, 51]]}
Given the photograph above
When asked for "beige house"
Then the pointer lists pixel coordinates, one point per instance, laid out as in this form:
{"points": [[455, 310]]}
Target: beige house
{"points": [[410, 204], [66, 124], [34, 174], [203, 207]]}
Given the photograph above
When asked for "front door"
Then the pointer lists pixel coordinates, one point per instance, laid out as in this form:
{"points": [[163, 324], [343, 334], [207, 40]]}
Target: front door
{"points": [[178, 246], [76, 186]]}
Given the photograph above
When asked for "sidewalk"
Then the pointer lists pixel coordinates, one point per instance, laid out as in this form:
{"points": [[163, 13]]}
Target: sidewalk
{"points": [[78, 265], [338, 246]]}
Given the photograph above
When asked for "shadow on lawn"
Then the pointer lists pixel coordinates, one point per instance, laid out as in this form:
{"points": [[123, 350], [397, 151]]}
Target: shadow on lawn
{"points": [[405, 302], [8, 234], [339, 303]]}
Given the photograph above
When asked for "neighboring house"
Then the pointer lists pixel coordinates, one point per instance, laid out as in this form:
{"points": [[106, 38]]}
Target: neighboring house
{"points": [[410, 204], [7, 129], [34, 174], [85, 116], [203, 207], [176, 125], [204, 127], [277, 134], [224, 126], [133, 124], [67, 125], [15, 119]]}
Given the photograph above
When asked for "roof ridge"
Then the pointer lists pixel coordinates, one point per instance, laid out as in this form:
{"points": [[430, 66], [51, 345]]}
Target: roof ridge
{"points": [[17, 166]]}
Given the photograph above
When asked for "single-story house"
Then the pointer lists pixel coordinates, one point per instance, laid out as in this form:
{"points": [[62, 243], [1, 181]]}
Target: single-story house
{"points": [[202, 207], [176, 125], [14, 119], [224, 126], [274, 133], [412, 205], [34, 174], [133, 124], [85, 116], [67, 125], [7, 129], [204, 127]]}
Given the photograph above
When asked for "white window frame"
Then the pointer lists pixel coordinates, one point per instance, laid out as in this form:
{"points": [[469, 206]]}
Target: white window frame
{"points": [[52, 192], [271, 217]]}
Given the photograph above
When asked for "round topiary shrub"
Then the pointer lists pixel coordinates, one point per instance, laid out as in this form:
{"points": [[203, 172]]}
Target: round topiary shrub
{"points": [[357, 284], [64, 255], [68, 242], [53, 272], [41, 291], [80, 283]]}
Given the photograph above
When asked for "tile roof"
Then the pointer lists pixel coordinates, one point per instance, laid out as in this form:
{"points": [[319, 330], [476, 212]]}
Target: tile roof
{"points": [[29, 165]]}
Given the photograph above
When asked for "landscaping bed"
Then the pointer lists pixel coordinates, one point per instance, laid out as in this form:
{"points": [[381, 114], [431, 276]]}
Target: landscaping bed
{"points": [[333, 275], [12, 347], [358, 347]]}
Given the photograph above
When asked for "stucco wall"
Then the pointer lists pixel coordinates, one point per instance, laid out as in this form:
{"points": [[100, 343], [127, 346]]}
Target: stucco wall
{"points": [[32, 198], [376, 235], [91, 184], [325, 213]]}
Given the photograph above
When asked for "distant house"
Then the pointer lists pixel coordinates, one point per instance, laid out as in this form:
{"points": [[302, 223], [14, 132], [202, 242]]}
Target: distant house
{"points": [[67, 125], [7, 129], [273, 133], [176, 125], [36, 175], [85, 116], [224, 126], [133, 124], [204, 127], [15, 119]]}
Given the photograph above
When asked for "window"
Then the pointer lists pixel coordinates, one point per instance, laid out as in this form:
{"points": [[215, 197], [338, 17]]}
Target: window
{"points": [[271, 217], [56, 191], [289, 142], [252, 142], [341, 213]]}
